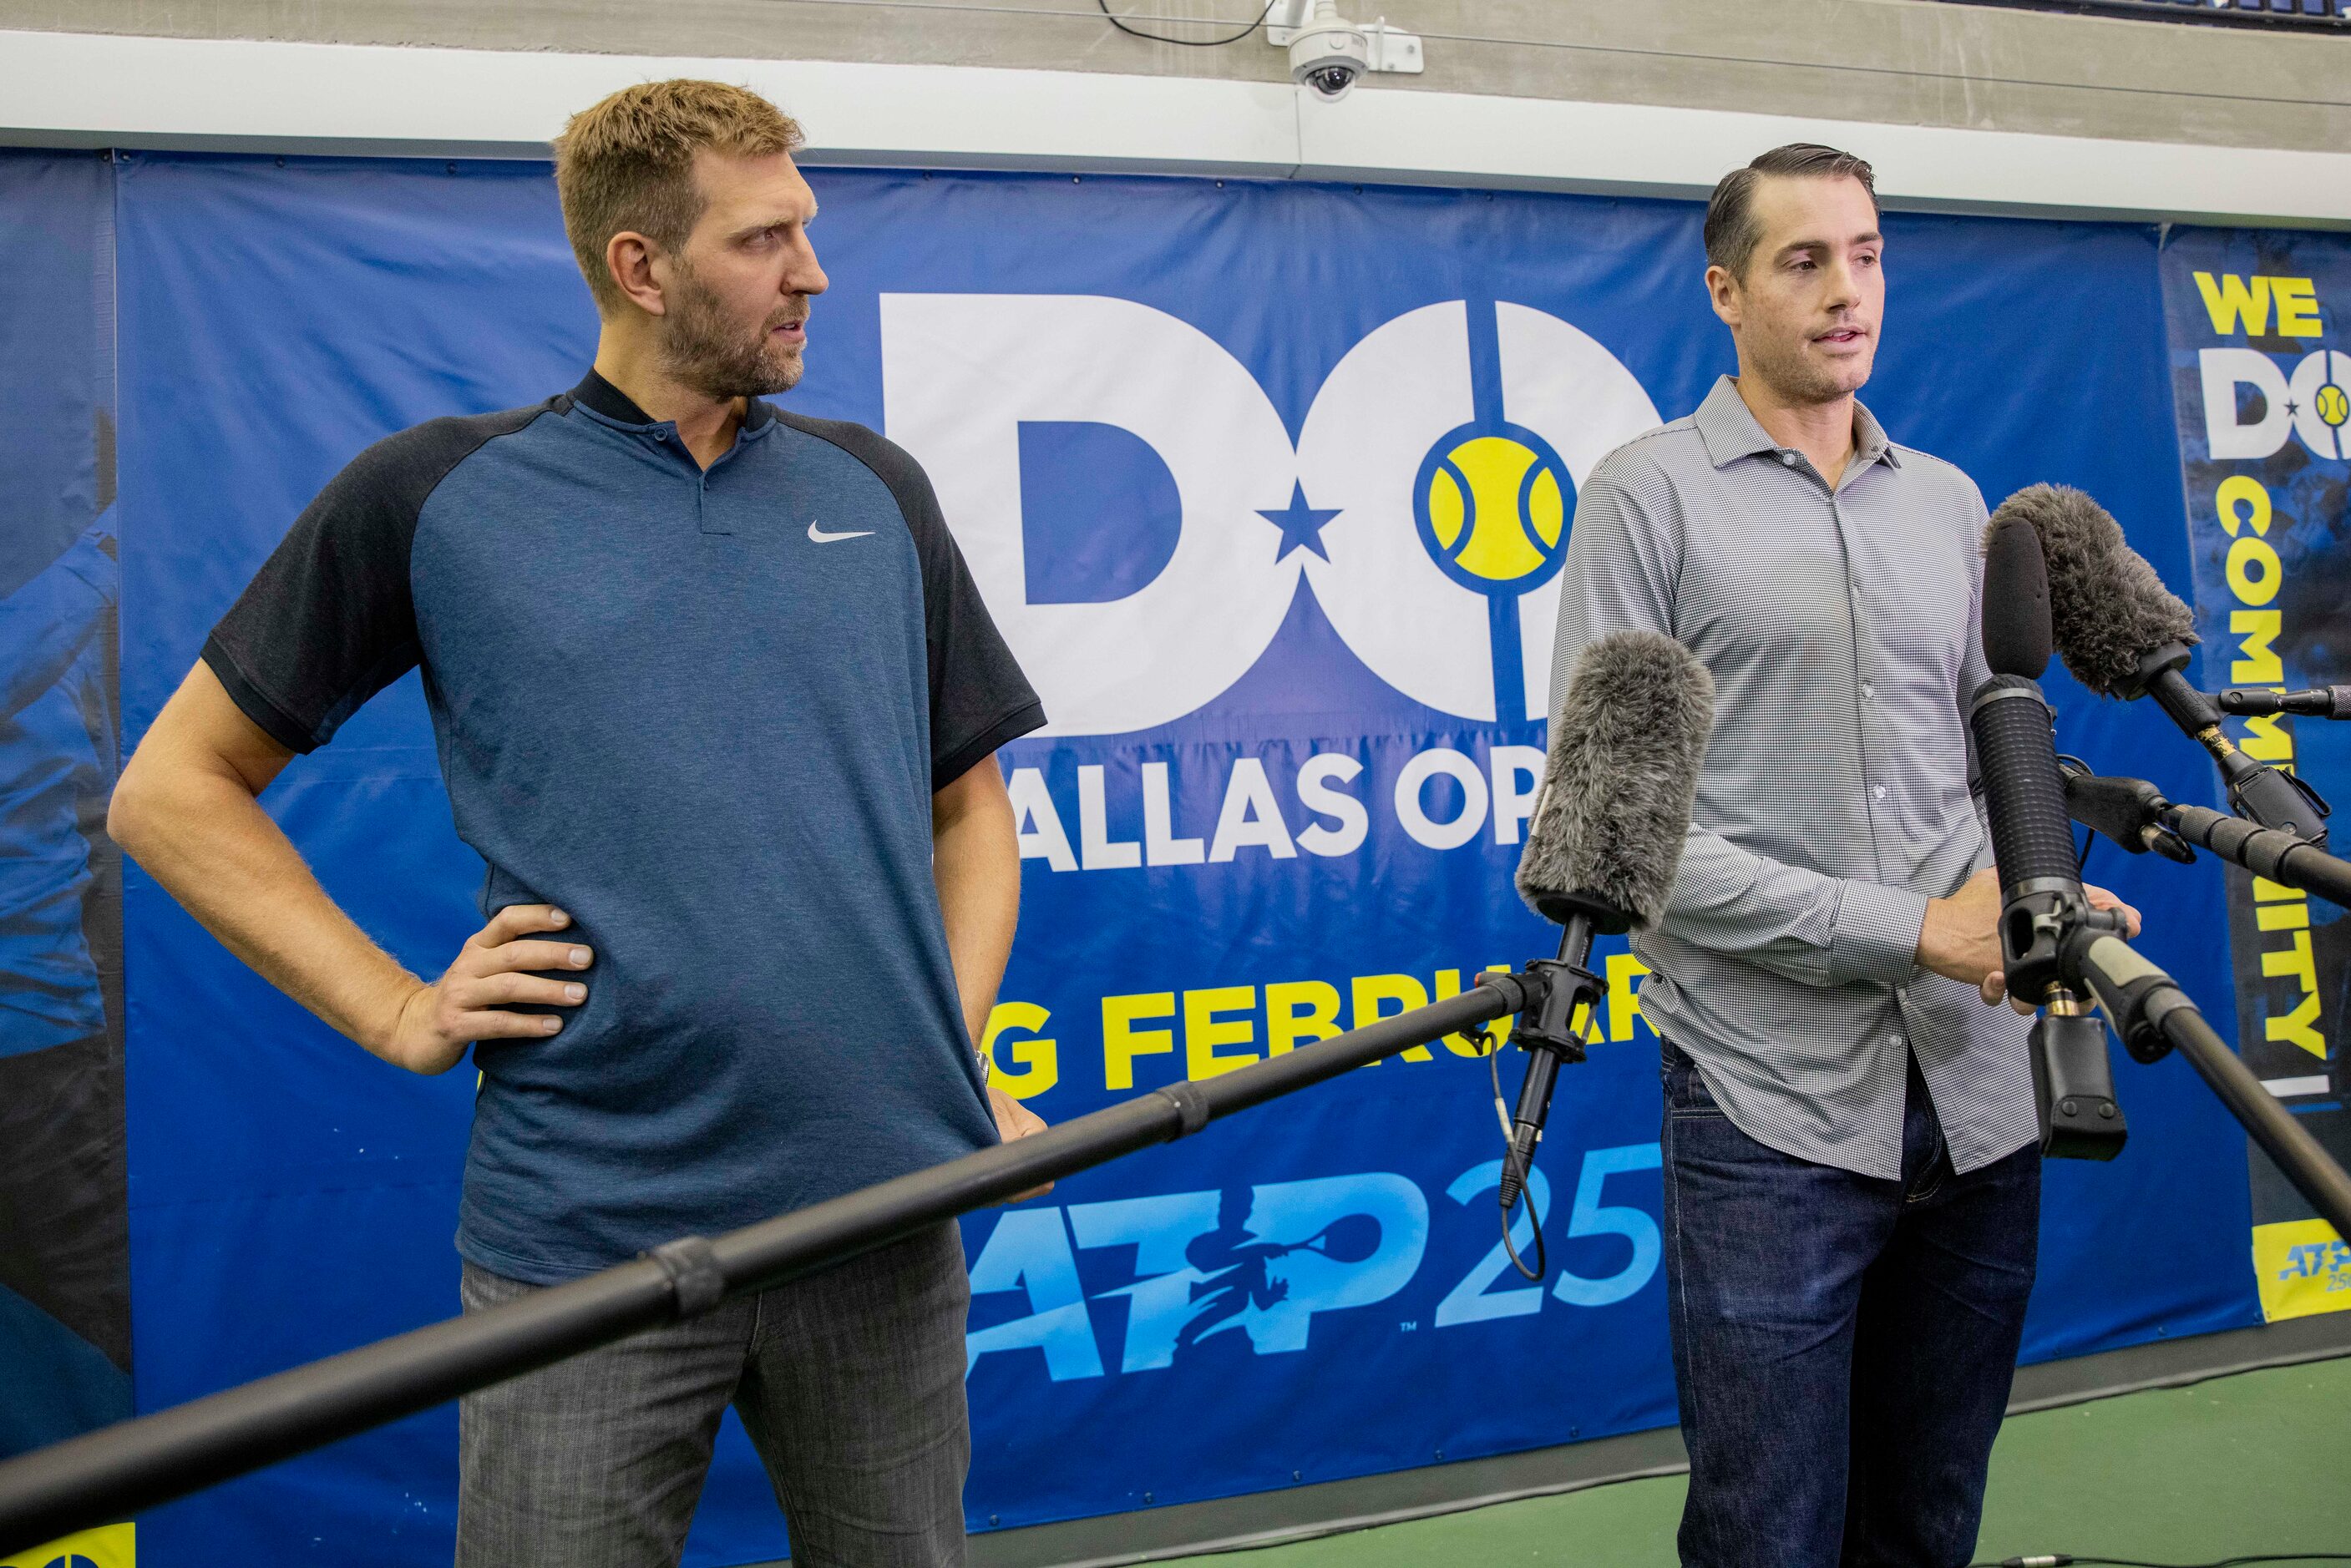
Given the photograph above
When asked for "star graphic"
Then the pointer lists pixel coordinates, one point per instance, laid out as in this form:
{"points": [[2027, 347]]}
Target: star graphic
{"points": [[1301, 524], [2293, 408]]}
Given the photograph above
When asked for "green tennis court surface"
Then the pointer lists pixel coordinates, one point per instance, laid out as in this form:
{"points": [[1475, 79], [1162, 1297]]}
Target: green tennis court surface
{"points": [[2257, 1462]]}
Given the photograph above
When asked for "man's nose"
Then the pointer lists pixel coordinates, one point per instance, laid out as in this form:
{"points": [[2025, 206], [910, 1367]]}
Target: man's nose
{"points": [[806, 275], [1843, 290]]}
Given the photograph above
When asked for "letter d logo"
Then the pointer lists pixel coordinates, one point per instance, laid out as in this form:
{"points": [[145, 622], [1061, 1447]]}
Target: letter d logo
{"points": [[960, 372]]}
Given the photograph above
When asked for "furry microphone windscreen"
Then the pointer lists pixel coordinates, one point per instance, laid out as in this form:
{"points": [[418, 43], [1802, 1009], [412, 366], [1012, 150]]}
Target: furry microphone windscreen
{"points": [[1626, 749], [2108, 609]]}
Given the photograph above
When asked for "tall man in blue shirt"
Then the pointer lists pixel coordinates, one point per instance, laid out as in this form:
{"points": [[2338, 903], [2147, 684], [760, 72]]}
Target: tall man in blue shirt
{"points": [[718, 701], [1852, 1185]]}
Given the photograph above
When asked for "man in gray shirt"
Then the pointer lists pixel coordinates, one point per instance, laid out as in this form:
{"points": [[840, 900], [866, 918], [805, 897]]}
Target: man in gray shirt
{"points": [[1852, 1190]]}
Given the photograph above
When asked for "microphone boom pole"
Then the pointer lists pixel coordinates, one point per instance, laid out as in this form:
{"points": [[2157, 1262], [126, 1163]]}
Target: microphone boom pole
{"points": [[2280, 856], [135, 1464], [2154, 1016], [2317, 701]]}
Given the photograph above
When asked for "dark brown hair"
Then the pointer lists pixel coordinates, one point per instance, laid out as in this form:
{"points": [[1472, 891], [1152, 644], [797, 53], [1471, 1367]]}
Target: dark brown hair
{"points": [[626, 165], [1731, 231]]}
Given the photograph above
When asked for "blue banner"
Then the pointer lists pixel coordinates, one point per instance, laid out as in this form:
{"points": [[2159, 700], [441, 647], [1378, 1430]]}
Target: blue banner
{"points": [[1268, 485], [65, 1263]]}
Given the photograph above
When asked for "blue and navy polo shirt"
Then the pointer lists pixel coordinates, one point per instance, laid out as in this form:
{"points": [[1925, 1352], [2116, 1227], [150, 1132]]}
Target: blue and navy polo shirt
{"points": [[704, 713]]}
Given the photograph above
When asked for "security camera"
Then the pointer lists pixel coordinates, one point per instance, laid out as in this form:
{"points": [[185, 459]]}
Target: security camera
{"points": [[1329, 53]]}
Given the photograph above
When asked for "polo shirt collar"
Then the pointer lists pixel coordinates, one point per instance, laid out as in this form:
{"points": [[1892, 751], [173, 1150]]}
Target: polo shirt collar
{"points": [[607, 401], [599, 396], [1731, 431]]}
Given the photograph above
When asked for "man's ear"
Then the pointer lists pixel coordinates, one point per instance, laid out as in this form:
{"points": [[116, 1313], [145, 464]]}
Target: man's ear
{"points": [[1722, 293], [629, 257]]}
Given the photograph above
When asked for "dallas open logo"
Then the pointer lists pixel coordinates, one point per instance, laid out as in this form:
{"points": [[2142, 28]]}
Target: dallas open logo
{"points": [[1425, 500]]}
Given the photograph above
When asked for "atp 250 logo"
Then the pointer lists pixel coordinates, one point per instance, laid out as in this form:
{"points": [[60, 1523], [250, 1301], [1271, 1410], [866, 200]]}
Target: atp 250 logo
{"points": [[1425, 500], [1264, 1262]]}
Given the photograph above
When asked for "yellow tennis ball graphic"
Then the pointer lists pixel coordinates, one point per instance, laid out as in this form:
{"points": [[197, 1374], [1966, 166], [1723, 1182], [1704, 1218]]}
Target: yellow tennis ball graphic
{"points": [[1496, 508], [2333, 404]]}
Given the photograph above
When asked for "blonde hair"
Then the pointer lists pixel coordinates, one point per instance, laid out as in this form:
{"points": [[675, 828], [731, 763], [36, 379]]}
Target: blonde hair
{"points": [[626, 165]]}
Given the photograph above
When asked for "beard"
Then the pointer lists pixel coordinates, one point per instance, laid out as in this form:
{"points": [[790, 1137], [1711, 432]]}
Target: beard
{"points": [[703, 351]]}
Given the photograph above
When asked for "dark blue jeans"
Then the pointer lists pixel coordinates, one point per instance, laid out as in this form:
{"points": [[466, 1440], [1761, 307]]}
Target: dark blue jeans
{"points": [[1843, 1345]]}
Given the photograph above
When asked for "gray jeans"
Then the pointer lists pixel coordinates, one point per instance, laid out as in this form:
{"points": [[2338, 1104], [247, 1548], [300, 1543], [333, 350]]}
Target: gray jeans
{"points": [[849, 1383]]}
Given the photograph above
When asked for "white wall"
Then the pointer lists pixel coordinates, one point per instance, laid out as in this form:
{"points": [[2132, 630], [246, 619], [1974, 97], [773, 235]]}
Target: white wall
{"points": [[68, 88]]}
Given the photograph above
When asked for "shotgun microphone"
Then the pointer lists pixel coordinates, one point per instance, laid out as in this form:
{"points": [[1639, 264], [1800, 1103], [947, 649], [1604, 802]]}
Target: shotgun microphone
{"points": [[2124, 634], [2042, 900], [1605, 839]]}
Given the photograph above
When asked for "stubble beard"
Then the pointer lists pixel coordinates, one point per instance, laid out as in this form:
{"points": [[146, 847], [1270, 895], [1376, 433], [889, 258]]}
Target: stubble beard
{"points": [[1797, 379], [705, 353]]}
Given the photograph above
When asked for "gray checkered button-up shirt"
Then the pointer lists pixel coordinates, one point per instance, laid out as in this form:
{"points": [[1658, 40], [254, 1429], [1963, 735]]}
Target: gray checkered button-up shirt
{"points": [[1841, 627]]}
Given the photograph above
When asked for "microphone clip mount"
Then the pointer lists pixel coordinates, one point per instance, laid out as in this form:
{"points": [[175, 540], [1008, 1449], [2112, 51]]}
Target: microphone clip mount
{"points": [[2041, 929], [2038, 919], [2257, 792], [1560, 989], [2127, 812]]}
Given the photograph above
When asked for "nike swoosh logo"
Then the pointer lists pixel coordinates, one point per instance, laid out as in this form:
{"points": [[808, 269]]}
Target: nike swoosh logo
{"points": [[821, 537]]}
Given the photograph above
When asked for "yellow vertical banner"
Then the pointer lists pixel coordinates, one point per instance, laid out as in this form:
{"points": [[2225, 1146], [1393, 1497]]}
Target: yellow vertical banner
{"points": [[2257, 324], [2301, 1268]]}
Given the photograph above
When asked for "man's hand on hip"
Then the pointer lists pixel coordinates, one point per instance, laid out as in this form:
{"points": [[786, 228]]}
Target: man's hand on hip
{"points": [[437, 1022], [1962, 936], [1014, 1120]]}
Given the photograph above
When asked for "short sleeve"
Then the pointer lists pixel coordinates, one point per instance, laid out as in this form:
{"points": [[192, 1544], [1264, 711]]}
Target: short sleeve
{"points": [[328, 620], [979, 698]]}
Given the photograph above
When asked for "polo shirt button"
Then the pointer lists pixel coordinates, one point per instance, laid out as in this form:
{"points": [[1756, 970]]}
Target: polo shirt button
{"points": [[1789, 458], [1879, 790], [1868, 691]]}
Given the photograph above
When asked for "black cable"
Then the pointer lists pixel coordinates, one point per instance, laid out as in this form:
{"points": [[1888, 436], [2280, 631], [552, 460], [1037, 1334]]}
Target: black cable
{"points": [[1188, 43], [1527, 1197], [1526, 1193], [2089, 835], [2061, 1559]]}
